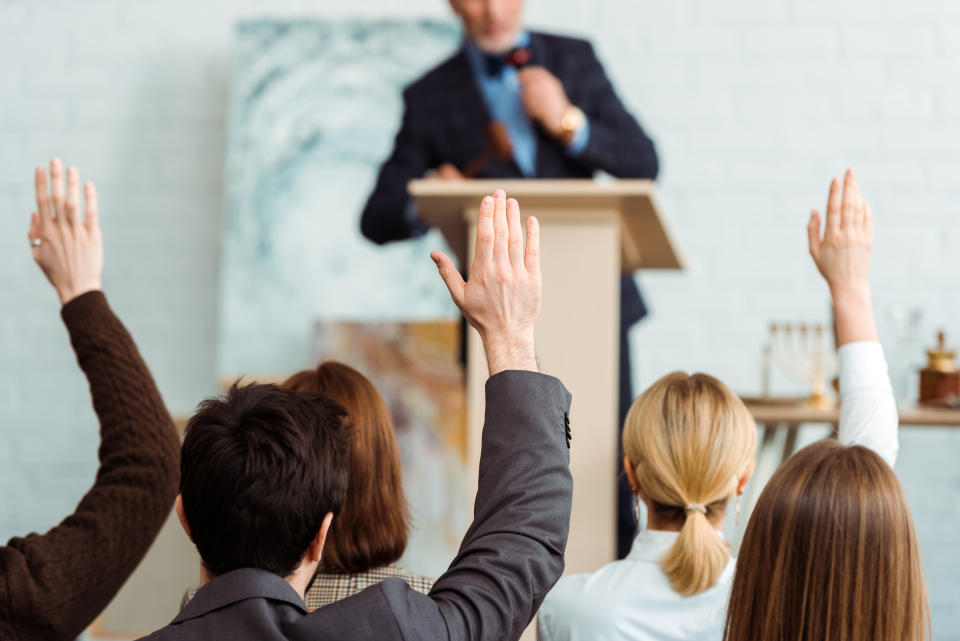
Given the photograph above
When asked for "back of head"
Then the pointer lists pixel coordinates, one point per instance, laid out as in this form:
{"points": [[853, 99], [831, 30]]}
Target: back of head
{"points": [[260, 468], [830, 553], [690, 440], [373, 526]]}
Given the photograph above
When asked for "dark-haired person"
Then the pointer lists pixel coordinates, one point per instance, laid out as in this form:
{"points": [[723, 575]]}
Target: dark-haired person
{"points": [[53, 585], [264, 472], [830, 551], [374, 523], [563, 119]]}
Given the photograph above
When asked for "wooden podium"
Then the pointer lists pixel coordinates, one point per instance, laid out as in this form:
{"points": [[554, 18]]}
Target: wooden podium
{"points": [[590, 232]]}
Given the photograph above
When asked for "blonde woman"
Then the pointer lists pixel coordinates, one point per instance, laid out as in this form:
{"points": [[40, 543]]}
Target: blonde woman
{"points": [[689, 445]]}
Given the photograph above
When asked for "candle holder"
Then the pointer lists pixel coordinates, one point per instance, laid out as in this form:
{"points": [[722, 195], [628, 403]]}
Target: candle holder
{"points": [[801, 352]]}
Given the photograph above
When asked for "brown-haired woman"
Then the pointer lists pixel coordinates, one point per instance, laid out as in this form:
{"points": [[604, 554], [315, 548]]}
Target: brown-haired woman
{"points": [[370, 533], [830, 551]]}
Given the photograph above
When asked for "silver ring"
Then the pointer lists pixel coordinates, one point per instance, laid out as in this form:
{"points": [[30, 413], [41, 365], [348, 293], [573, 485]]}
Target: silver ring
{"points": [[36, 242]]}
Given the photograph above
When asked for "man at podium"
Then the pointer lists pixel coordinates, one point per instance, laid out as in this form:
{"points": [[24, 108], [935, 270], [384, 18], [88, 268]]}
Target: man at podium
{"points": [[513, 103]]}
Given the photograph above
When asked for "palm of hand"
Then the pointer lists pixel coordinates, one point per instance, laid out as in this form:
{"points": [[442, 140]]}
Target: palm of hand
{"points": [[501, 299], [68, 248], [842, 255]]}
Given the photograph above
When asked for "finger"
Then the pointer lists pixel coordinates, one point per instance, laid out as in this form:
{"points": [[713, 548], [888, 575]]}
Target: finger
{"points": [[860, 213], [483, 247], [72, 202], [501, 230], [516, 232], [531, 259], [34, 231], [833, 209], [92, 218], [43, 194], [851, 197], [56, 184], [451, 277], [813, 234], [861, 210], [868, 222]]}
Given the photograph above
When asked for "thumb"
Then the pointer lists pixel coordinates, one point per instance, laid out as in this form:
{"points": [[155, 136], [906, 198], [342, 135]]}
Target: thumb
{"points": [[451, 277], [813, 234]]}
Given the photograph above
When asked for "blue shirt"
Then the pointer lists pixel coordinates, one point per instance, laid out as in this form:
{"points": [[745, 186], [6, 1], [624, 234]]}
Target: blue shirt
{"points": [[502, 96]]}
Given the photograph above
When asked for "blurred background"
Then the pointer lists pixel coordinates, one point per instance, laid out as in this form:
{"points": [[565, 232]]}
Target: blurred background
{"points": [[753, 104]]}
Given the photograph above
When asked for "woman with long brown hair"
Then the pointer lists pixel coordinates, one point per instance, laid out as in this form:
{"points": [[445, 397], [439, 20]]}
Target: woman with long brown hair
{"points": [[370, 533], [830, 552]]}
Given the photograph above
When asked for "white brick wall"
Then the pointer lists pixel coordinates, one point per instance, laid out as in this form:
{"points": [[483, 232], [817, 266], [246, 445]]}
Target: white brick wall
{"points": [[754, 105]]}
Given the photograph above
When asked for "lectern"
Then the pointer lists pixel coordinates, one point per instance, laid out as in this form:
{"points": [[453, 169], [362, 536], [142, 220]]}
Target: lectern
{"points": [[590, 232]]}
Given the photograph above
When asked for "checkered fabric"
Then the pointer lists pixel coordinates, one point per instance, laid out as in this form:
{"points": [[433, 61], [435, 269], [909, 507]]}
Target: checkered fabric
{"points": [[330, 587]]}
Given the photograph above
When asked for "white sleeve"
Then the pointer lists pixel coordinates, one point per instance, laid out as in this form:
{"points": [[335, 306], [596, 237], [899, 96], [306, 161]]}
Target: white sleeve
{"points": [[868, 412], [569, 611]]}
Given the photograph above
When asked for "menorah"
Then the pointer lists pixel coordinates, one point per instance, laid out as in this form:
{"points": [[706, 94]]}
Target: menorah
{"points": [[801, 352]]}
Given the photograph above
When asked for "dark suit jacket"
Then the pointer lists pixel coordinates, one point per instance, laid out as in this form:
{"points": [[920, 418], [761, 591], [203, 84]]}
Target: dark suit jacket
{"points": [[445, 119], [510, 557]]}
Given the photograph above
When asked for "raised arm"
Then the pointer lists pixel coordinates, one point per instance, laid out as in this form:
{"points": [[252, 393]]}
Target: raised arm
{"points": [[868, 412], [513, 552], [60, 581]]}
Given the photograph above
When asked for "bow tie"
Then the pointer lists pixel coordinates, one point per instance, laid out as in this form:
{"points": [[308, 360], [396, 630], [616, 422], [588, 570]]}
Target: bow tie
{"points": [[517, 58]]}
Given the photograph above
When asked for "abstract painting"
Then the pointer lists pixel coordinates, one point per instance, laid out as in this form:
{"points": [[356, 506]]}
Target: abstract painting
{"points": [[313, 108], [417, 370]]}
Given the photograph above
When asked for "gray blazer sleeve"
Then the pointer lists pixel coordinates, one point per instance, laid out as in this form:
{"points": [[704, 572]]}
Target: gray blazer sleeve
{"points": [[512, 554]]}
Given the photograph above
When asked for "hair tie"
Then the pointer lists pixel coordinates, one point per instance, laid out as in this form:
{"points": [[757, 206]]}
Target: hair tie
{"points": [[696, 507]]}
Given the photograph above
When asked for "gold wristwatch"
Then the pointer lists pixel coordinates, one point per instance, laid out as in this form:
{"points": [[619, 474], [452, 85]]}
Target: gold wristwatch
{"points": [[571, 122]]}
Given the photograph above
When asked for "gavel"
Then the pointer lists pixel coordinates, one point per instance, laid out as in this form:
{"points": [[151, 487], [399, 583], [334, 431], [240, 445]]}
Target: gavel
{"points": [[498, 147]]}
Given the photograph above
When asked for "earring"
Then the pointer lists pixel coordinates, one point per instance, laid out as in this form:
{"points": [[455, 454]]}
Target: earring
{"points": [[636, 509], [738, 509]]}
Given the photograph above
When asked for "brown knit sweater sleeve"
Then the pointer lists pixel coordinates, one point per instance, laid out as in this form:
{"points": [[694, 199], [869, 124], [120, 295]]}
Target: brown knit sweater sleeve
{"points": [[52, 586]]}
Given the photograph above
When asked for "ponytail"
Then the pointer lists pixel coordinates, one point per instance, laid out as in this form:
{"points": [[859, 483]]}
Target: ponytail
{"points": [[698, 557], [689, 438]]}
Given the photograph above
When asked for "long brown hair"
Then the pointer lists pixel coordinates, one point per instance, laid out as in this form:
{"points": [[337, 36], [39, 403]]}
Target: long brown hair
{"points": [[829, 554], [690, 440], [374, 523]]}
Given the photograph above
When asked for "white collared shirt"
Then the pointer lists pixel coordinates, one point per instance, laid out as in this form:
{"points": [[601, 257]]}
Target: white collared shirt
{"points": [[631, 600]]}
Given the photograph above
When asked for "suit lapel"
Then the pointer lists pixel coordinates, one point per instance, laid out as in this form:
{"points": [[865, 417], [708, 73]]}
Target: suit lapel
{"points": [[466, 113], [466, 119]]}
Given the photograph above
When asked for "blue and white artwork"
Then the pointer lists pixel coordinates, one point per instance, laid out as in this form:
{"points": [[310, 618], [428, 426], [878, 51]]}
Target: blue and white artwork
{"points": [[313, 109]]}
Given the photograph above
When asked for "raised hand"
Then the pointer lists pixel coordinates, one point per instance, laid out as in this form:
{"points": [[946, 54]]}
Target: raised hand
{"points": [[68, 247], [501, 297], [842, 255]]}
